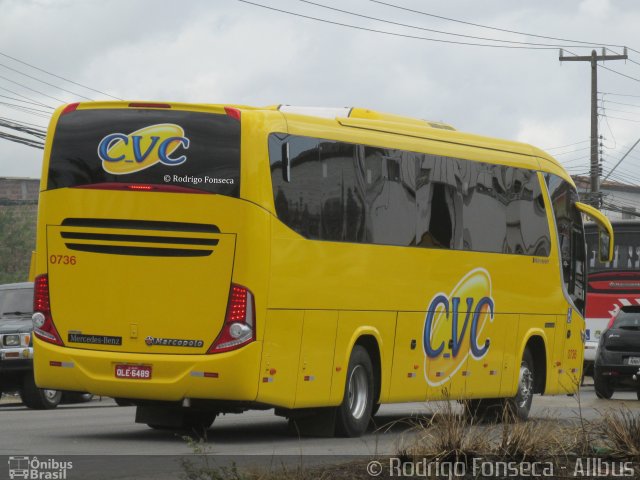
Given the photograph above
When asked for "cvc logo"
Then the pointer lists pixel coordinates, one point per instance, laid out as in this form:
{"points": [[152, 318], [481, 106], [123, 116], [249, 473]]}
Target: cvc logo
{"points": [[457, 325], [123, 154]]}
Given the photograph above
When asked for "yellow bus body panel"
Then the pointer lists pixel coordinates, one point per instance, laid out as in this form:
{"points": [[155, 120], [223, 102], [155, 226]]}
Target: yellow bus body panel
{"points": [[314, 299]]}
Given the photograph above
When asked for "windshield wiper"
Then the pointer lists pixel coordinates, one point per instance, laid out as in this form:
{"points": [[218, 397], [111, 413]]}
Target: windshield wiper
{"points": [[630, 327], [17, 313]]}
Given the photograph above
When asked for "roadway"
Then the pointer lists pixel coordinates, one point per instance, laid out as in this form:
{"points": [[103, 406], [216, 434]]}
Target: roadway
{"points": [[101, 431]]}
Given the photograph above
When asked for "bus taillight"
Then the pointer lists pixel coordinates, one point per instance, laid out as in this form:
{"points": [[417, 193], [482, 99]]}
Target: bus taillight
{"points": [[239, 323], [43, 326]]}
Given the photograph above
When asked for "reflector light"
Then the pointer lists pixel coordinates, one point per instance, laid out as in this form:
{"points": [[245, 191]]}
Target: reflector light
{"points": [[72, 107], [233, 112], [140, 187]]}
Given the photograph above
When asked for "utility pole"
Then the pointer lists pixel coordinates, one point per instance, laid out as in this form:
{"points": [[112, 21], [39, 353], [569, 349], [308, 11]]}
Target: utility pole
{"points": [[595, 161]]}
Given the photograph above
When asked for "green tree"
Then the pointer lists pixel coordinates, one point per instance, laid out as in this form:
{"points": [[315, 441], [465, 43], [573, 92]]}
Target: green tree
{"points": [[17, 240]]}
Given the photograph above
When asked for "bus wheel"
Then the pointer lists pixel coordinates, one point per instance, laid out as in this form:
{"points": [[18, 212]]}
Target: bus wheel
{"points": [[520, 405], [38, 398], [354, 413]]}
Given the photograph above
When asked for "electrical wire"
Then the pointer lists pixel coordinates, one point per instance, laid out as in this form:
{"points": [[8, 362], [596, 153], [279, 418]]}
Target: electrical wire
{"points": [[24, 141], [57, 76], [496, 28], [413, 37], [568, 145], [31, 89], [28, 98], [42, 81], [390, 22]]}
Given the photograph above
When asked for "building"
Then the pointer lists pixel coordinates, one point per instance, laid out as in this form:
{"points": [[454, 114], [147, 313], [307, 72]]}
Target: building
{"points": [[620, 201], [17, 191]]}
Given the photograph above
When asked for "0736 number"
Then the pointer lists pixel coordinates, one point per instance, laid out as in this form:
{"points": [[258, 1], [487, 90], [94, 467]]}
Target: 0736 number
{"points": [[62, 259]]}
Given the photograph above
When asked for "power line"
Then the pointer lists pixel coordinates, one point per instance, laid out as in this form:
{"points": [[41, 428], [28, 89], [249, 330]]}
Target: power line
{"points": [[57, 76], [619, 73], [384, 32], [496, 28], [619, 94], [33, 90], [27, 110], [568, 145], [572, 151], [368, 17], [22, 101], [606, 109], [23, 141], [28, 98], [36, 132], [621, 103], [42, 81], [22, 122], [619, 118]]}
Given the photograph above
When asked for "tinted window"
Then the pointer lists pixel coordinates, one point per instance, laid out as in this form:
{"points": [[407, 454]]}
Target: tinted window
{"points": [[570, 238], [359, 193], [163, 147]]}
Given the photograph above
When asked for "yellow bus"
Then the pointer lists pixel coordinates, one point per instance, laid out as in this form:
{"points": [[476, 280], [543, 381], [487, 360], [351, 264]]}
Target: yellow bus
{"points": [[202, 259]]}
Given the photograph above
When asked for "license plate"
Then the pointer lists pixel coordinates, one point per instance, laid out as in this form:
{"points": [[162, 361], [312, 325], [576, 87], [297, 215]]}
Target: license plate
{"points": [[134, 372], [634, 360]]}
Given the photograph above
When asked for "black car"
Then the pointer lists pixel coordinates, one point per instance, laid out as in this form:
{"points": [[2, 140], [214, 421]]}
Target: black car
{"points": [[617, 364], [16, 350]]}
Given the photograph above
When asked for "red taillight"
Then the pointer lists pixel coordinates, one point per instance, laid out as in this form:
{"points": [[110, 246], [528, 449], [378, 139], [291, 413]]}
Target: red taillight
{"points": [[239, 323], [149, 105], [137, 187], [72, 107], [43, 326], [233, 112]]}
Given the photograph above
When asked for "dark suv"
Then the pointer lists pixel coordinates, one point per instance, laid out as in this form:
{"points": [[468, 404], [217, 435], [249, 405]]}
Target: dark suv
{"points": [[617, 364], [16, 350]]}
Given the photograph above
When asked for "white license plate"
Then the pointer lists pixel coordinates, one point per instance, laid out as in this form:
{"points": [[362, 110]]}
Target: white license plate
{"points": [[634, 361], [134, 372]]}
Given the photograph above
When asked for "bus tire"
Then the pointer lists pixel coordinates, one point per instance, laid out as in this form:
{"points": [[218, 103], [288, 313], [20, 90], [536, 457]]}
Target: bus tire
{"points": [[38, 398], [518, 407], [354, 413]]}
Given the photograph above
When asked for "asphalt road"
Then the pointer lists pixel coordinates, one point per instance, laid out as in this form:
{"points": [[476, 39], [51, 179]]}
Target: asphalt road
{"points": [[113, 446]]}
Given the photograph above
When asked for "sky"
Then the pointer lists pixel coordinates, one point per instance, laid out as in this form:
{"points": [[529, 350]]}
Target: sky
{"points": [[228, 51]]}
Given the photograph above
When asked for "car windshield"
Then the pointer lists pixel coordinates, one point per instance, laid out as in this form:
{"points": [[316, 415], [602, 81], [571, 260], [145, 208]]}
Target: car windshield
{"points": [[18, 301], [628, 318]]}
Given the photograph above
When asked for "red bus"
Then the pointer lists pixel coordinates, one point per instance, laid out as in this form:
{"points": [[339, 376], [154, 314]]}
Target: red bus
{"points": [[611, 285]]}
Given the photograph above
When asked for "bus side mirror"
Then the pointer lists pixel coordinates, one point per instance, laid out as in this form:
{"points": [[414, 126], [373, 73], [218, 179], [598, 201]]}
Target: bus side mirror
{"points": [[605, 231], [286, 163]]}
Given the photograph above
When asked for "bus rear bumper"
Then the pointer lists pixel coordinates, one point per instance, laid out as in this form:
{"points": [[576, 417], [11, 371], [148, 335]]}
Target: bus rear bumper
{"points": [[223, 376]]}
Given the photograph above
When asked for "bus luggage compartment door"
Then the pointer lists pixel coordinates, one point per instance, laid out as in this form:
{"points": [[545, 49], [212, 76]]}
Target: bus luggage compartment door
{"points": [[138, 290]]}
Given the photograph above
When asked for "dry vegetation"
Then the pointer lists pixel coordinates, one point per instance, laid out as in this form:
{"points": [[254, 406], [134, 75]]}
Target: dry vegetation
{"points": [[451, 436]]}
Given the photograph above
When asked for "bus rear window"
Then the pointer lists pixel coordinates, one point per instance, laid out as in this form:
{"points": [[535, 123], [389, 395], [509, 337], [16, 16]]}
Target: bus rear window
{"points": [[171, 148]]}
